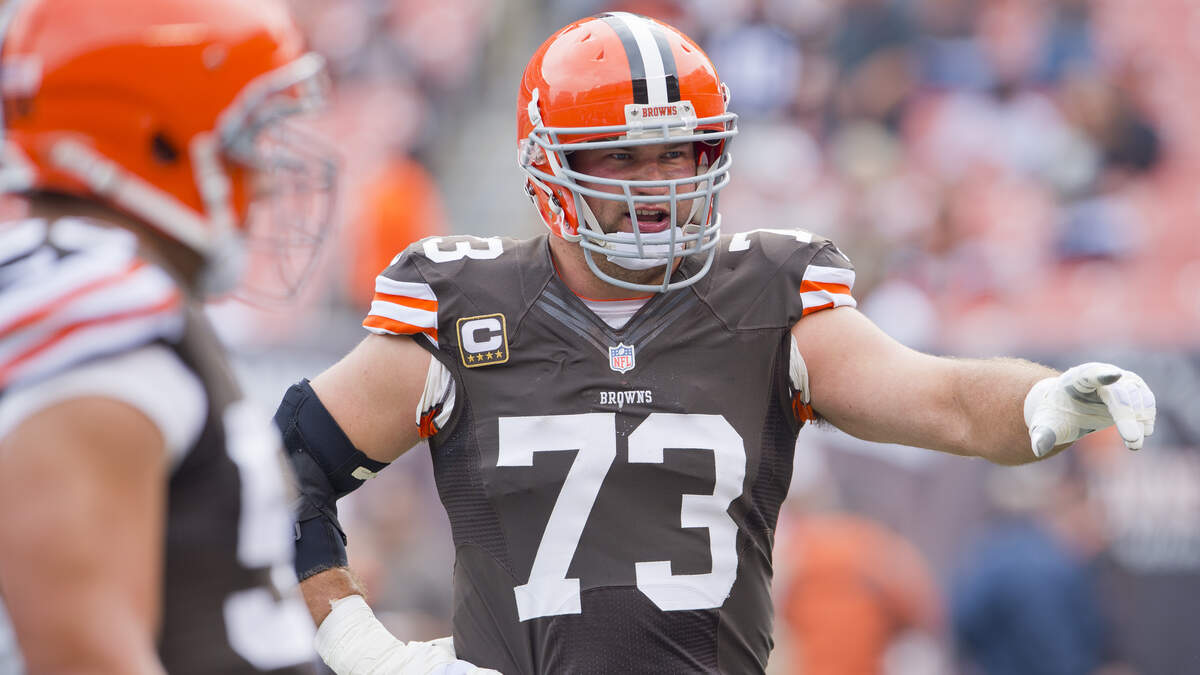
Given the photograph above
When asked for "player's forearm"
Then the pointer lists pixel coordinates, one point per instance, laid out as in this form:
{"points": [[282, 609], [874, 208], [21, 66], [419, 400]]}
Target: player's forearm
{"points": [[323, 588], [104, 648], [989, 396]]}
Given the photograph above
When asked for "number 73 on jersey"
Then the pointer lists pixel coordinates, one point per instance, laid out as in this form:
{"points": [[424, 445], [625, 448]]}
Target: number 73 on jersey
{"points": [[549, 591]]}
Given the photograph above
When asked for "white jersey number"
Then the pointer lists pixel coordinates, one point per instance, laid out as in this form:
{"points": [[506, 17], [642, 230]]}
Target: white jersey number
{"points": [[549, 592], [465, 247], [266, 626], [741, 240]]}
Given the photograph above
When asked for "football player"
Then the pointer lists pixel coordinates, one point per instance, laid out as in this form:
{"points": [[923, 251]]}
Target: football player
{"points": [[146, 523], [611, 407]]}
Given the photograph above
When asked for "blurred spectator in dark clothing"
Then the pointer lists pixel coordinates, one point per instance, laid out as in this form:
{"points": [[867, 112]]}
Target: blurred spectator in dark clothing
{"points": [[1068, 44], [872, 47], [1103, 109], [760, 62], [950, 56], [1098, 222], [1024, 601], [867, 28]]}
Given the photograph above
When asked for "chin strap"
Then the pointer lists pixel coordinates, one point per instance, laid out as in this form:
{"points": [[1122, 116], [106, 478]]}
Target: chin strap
{"points": [[656, 249]]}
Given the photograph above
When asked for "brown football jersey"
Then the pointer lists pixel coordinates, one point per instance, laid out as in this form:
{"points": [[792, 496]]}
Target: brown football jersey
{"points": [[612, 493]]}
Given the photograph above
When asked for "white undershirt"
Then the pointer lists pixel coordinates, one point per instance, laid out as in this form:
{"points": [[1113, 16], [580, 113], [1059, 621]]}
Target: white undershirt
{"points": [[615, 313]]}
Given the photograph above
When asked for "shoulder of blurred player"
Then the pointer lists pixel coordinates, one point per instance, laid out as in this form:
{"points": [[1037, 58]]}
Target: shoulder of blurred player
{"points": [[75, 291]]}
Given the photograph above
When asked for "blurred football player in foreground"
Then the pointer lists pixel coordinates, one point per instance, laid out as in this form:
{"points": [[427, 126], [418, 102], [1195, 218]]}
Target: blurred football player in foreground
{"points": [[146, 523], [611, 407]]}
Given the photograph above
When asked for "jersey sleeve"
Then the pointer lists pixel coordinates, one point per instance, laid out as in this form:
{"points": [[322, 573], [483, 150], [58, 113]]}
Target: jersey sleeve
{"points": [[770, 279], [825, 282], [79, 294], [404, 303]]}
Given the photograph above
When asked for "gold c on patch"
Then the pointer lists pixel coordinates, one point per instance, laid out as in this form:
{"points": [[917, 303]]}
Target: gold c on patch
{"points": [[483, 340]]}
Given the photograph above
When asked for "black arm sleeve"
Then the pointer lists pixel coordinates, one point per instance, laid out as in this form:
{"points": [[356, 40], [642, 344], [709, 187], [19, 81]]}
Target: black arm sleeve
{"points": [[327, 467]]}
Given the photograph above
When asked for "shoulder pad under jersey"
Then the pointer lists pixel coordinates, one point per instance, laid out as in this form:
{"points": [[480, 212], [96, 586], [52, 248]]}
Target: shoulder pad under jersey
{"points": [[772, 278], [438, 280], [72, 291]]}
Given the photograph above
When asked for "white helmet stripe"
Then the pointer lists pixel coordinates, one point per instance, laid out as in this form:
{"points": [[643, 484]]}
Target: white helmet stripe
{"points": [[647, 52]]}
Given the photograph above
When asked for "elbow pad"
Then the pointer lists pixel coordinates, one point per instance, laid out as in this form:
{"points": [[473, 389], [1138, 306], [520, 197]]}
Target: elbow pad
{"points": [[327, 467]]}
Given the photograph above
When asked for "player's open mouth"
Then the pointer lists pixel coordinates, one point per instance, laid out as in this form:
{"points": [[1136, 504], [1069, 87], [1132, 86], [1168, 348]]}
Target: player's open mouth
{"points": [[651, 220]]}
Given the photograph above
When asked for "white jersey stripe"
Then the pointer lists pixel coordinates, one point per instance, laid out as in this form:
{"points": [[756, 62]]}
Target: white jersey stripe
{"points": [[111, 256], [410, 315], [406, 289], [145, 288], [20, 238], [439, 390], [656, 76], [86, 294], [829, 275], [818, 298], [109, 337]]}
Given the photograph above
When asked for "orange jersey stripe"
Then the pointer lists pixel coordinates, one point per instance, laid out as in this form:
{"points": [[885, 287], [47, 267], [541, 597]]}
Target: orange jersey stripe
{"points": [[399, 327], [66, 331], [427, 426], [802, 411], [810, 310], [50, 306], [415, 303], [807, 286]]}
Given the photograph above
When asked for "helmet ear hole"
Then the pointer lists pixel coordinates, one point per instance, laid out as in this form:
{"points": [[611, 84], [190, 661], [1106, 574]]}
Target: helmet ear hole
{"points": [[163, 149]]}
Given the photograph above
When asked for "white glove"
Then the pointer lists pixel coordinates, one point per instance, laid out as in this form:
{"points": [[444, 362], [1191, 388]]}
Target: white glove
{"points": [[353, 642], [1060, 410]]}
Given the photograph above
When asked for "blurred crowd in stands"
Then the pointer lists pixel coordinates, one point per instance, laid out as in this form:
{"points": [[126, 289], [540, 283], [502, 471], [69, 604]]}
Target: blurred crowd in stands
{"points": [[1009, 176]]}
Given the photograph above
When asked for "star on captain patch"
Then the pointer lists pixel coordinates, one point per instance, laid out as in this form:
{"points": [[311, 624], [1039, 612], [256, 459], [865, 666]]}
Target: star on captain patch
{"points": [[621, 358], [483, 340]]}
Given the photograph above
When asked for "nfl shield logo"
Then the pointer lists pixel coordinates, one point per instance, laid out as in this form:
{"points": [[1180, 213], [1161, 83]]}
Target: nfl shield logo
{"points": [[620, 358]]}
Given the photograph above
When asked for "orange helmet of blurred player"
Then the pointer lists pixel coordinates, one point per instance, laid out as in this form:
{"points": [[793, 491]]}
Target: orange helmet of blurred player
{"points": [[172, 111], [620, 80]]}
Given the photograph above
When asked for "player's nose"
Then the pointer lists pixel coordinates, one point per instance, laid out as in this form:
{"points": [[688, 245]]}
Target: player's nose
{"points": [[652, 178]]}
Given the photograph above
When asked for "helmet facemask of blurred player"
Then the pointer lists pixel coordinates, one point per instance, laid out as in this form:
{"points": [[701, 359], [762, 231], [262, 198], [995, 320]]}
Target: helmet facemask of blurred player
{"points": [[635, 111], [293, 180], [178, 114]]}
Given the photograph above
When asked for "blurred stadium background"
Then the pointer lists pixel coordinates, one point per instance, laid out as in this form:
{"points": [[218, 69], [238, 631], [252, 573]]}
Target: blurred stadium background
{"points": [[1009, 176]]}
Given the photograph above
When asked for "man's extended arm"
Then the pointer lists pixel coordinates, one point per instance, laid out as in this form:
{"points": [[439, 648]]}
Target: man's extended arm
{"points": [[872, 387]]}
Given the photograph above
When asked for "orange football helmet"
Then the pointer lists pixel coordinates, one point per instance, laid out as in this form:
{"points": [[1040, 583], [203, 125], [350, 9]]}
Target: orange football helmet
{"points": [[171, 111], [619, 80]]}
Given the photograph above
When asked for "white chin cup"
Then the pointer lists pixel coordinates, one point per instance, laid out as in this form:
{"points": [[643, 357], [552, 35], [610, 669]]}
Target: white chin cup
{"points": [[656, 249]]}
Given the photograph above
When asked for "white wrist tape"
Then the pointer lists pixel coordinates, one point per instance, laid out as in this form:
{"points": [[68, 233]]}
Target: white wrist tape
{"points": [[353, 642]]}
